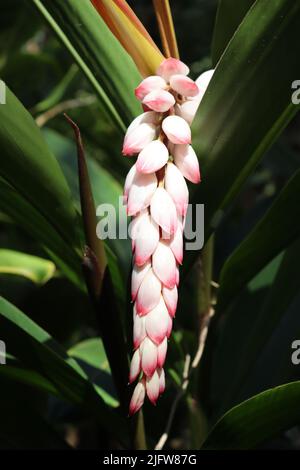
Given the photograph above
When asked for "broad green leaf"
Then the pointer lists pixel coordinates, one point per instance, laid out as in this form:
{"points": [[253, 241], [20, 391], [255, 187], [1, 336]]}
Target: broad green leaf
{"points": [[31, 169], [277, 229], [92, 352], [245, 109], [36, 269], [230, 14], [258, 419], [281, 295], [98, 53], [24, 214], [33, 346]]}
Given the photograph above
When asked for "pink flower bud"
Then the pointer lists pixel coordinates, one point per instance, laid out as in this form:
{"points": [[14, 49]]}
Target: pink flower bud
{"points": [[138, 398], [162, 352], [159, 100], [176, 244], [149, 117], [128, 182], [163, 210], [177, 130], [171, 67], [170, 326], [147, 236], [135, 366], [177, 276], [162, 381], [141, 191], [138, 138], [139, 329], [171, 298], [149, 357], [187, 162], [153, 387], [187, 110], [184, 85], [138, 274], [153, 157], [148, 294], [149, 84], [164, 264], [176, 186], [157, 322]]}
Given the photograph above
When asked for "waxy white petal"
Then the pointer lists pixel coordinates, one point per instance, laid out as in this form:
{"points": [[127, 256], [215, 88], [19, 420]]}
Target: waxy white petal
{"points": [[176, 186], [139, 329], [148, 294], [153, 387], [128, 182], [140, 193], [147, 237], [138, 138], [177, 130], [163, 210], [186, 160], [137, 276], [171, 298], [149, 357], [162, 380], [171, 67], [138, 398], [162, 352], [184, 85], [157, 322], [164, 264], [135, 366], [153, 157], [154, 82], [159, 100]]}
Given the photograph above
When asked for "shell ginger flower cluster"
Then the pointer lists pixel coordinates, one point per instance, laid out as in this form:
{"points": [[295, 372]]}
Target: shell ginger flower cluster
{"points": [[157, 196]]}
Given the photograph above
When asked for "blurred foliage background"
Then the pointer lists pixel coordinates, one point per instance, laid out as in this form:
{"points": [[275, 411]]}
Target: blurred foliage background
{"points": [[42, 74]]}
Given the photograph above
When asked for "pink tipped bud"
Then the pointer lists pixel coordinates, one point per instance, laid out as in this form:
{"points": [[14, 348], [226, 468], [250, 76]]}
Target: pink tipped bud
{"points": [[164, 264], [176, 186], [148, 294], [177, 276], [149, 117], [139, 329], [171, 298], [203, 82], [135, 366], [152, 388], [138, 138], [140, 193], [159, 100], [149, 84], [170, 326], [128, 182], [147, 237], [184, 85], [187, 162], [163, 210], [162, 381], [157, 322], [153, 157], [177, 130], [176, 244], [162, 352], [187, 110], [171, 67], [149, 357], [138, 398], [138, 274]]}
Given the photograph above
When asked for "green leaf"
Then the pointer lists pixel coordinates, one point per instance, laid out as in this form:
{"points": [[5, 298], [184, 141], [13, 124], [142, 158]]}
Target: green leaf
{"points": [[262, 417], [36, 269], [281, 295], [277, 229], [34, 347], [105, 63], [245, 109], [25, 215], [92, 352], [230, 14]]}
